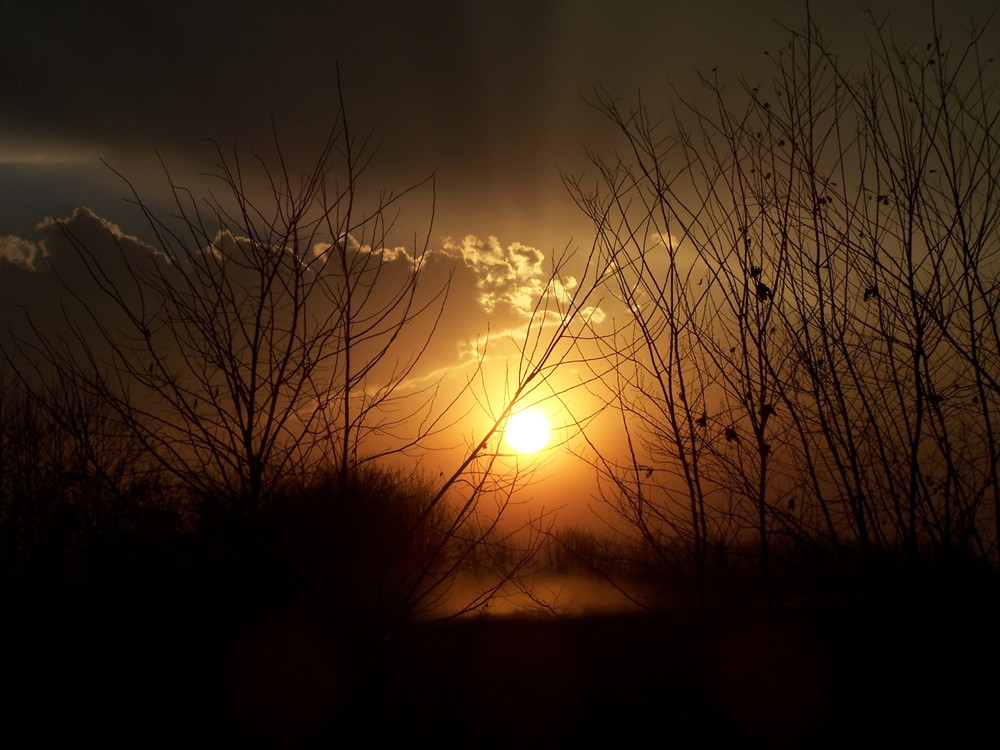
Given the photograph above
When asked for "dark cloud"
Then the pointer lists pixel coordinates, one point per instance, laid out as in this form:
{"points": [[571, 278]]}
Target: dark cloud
{"points": [[58, 294]]}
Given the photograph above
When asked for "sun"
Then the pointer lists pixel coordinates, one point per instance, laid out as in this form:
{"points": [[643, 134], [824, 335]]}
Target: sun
{"points": [[527, 431]]}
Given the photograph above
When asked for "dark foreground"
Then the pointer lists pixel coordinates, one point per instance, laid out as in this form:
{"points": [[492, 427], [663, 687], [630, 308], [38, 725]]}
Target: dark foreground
{"points": [[799, 678]]}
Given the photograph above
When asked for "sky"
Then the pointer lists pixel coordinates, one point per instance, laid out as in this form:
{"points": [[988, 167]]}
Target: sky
{"points": [[490, 98]]}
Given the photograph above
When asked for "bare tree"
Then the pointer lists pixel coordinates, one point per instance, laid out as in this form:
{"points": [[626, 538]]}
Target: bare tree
{"points": [[262, 333], [267, 340], [811, 277]]}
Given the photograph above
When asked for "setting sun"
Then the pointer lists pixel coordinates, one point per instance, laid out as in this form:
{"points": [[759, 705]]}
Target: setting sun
{"points": [[527, 431]]}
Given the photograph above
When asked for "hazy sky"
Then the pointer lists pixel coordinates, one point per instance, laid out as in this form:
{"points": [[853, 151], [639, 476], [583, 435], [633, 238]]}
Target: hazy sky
{"points": [[488, 96]]}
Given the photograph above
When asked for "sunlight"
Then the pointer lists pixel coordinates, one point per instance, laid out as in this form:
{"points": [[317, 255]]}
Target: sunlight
{"points": [[527, 431]]}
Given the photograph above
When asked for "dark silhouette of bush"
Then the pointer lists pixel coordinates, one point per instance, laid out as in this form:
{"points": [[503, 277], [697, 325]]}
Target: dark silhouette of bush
{"points": [[368, 552]]}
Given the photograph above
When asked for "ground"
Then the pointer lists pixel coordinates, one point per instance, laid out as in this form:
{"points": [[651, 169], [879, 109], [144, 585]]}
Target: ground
{"points": [[791, 678]]}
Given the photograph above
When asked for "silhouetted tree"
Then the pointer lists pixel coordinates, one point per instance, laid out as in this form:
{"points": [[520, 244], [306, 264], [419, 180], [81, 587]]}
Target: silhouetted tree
{"points": [[269, 335], [262, 333], [810, 269]]}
